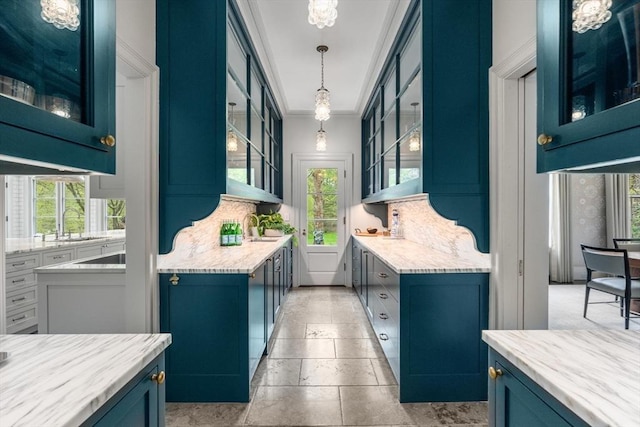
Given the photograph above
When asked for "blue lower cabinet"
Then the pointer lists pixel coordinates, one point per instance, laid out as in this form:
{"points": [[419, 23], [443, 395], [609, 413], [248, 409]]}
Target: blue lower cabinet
{"points": [[139, 404], [257, 316], [515, 400], [208, 317]]}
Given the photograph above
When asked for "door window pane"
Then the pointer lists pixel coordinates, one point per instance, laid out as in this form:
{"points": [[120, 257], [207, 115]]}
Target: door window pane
{"points": [[256, 129], [256, 168], [390, 157], [236, 58], [236, 114], [237, 162], [322, 206], [411, 57], [390, 91]]}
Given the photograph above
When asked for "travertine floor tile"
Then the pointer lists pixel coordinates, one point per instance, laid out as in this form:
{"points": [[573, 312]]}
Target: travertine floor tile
{"points": [[461, 413], [205, 414], [337, 372], [278, 372], [373, 406], [335, 330], [289, 329], [294, 348], [384, 375], [351, 348]]}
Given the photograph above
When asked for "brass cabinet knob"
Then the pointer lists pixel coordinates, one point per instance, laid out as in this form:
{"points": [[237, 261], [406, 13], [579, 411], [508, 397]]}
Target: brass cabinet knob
{"points": [[108, 140], [252, 275], [174, 279], [494, 373], [158, 378], [544, 139]]}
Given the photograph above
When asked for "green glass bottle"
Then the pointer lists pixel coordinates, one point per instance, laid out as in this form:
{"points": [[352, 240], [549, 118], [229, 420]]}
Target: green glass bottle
{"points": [[238, 234], [224, 233]]}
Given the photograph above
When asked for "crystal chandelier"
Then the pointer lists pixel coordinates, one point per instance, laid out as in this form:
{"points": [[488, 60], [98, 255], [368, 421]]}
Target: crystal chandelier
{"points": [[590, 14], [321, 139], [323, 13], [414, 139], [323, 108], [61, 13], [232, 138]]}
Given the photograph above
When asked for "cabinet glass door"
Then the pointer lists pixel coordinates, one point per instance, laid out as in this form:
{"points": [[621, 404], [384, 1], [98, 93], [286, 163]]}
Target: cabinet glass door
{"points": [[589, 58]]}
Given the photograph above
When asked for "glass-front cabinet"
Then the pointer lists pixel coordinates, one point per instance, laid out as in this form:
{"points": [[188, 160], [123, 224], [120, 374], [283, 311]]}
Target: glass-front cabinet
{"points": [[57, 84], [589, 83], [254, 136], [392, 137]]}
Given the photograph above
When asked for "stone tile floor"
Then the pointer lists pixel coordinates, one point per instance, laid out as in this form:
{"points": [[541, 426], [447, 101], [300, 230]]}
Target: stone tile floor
{"points": [[325, 368]]}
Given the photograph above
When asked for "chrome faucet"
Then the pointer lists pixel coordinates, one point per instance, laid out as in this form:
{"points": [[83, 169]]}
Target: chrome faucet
{"points": [[64, 214]]}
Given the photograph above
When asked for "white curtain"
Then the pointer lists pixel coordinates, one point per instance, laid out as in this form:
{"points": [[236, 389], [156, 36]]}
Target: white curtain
{"points": [[618, 206], [560, 268]]}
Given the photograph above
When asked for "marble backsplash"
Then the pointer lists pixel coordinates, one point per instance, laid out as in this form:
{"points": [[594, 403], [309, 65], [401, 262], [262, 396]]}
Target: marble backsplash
{"points": [[420, 223], [205, 234]]}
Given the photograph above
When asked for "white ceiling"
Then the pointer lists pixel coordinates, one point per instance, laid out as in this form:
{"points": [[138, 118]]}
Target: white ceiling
{"points": [[358, 44]]}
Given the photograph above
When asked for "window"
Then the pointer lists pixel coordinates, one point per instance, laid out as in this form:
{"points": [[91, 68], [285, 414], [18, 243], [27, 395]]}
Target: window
{"points": [[634, 196], [58, 205]]}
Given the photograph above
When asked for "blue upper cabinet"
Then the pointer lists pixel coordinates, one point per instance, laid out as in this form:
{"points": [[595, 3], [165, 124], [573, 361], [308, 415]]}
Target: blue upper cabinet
{"points": [[57, 81], [426, 126], [220, 128], [588, 87]]}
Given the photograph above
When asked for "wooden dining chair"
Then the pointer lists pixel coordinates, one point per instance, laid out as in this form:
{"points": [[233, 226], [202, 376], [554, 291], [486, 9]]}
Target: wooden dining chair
{"points": [[614, 262]]}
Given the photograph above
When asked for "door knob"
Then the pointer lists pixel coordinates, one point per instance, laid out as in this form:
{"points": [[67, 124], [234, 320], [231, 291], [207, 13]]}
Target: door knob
{"points": [[494, 373], [108, 140], [544, 139]]}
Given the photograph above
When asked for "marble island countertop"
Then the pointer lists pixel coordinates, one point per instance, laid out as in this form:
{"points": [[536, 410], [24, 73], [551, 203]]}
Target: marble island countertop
{"points": [[219, 259], [26, 245], [85, 265], [408, 257], [61, 380], [594, 373]]}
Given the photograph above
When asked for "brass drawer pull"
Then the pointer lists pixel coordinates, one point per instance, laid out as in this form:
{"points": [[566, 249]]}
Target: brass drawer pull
{"points": [[384, 337], [15, 319], [174, 279], [383, 316], [158, 378], [383, 275], [383, 296], [18, 299], [494, 373]]}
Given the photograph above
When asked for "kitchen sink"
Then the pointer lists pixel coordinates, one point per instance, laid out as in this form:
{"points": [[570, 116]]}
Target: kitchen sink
{"points": [[107, 259]]}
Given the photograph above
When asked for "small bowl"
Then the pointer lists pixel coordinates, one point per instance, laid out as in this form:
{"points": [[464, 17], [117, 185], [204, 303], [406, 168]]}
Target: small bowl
{"points": [[17, 90], [372, 230]]}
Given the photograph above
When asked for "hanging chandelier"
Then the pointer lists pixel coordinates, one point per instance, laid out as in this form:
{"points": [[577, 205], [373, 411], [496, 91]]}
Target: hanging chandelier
{"points": [[61, 13], [414, 139], [232, 138], [321, 139], [323, 13], [323, 107], [590, 14]]}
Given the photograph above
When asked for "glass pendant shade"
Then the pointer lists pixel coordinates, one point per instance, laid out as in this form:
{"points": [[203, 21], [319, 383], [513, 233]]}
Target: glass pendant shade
{"points": [[414, 141], [590, 14], [232, 141], [321, 140], [61, 13], [323, 106], [323, 13]]}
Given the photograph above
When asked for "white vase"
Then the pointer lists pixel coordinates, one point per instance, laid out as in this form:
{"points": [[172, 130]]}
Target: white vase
{"points": [[269, 232]]}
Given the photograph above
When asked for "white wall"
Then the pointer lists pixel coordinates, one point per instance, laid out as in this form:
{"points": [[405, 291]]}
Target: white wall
{"points": [[514, 23], [136, 25], [343, 136]]}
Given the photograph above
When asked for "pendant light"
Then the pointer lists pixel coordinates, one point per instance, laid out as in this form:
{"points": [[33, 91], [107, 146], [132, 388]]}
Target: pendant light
{"points": [[323, 107], [321, 139], [232, 138], [61, 13], [323, 13], [590, 14], [414, 139]]}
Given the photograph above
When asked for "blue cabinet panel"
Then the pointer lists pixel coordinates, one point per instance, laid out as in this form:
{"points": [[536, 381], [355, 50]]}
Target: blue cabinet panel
{"points": [[257, 318], [33, 134], [442, 356], [141, 403], [207, 315], [515, 400]]}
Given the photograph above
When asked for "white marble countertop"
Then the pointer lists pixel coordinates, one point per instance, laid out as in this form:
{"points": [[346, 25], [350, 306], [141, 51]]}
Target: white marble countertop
{"points": [[407, 257], [25, 245], [594, 373], [60, 380], [219, 259]]}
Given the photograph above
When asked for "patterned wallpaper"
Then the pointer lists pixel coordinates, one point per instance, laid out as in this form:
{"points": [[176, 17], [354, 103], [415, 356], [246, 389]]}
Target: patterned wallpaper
{"points": [[588, 217]]}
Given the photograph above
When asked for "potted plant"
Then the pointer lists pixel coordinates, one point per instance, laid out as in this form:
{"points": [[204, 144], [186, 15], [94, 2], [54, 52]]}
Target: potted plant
{"points": [[272, 224]]}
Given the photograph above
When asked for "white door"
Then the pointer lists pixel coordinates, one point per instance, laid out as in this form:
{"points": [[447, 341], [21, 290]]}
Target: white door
{"points": [[533, 219], [322, 220]]}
